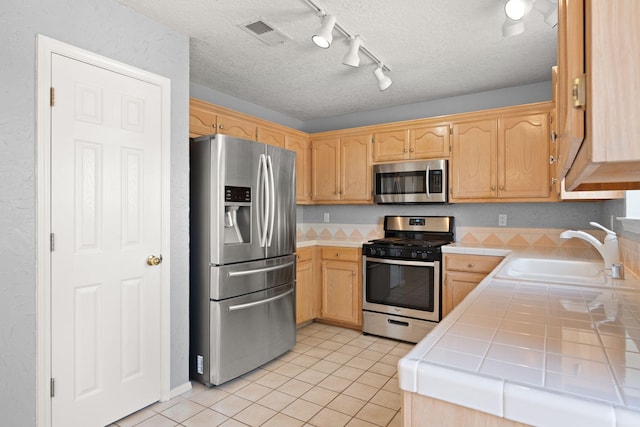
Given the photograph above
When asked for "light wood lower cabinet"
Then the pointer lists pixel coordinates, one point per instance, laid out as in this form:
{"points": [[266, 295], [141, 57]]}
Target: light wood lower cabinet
{"points": [[419, 411], [462, 273], [307, 287], [342, 285]]}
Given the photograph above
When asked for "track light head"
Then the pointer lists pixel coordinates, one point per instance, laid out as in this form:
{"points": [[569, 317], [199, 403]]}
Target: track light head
{"points": [[352, 57], [324, 35], [516, 10], [383, 81]]}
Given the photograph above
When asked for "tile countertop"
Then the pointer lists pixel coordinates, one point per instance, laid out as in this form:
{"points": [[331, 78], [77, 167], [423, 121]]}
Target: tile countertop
{"points": [[535, 352]]}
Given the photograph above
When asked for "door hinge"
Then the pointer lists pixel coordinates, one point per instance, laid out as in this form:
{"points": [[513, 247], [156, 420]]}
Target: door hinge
{"points": [[450, 130], [373, 139], [52, 96], [53, 387], [579, 92], [52, 242]]}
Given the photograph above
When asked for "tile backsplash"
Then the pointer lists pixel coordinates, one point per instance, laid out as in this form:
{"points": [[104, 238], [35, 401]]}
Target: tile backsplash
{"points": [[517, 238]]}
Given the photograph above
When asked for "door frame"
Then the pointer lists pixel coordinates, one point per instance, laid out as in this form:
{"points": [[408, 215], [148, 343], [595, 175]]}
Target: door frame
{"points": [[45, 48]]}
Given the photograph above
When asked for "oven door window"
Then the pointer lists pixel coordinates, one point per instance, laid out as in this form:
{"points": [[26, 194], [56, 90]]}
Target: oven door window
{"points": [[406, 286]]}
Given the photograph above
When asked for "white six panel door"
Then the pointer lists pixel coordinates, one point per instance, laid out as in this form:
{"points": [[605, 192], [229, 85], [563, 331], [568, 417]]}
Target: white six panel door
{"points": [[106, 220]]}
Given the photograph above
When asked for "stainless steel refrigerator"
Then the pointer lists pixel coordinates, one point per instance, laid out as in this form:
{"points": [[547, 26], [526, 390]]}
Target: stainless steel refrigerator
{"points": [[242, 267]]}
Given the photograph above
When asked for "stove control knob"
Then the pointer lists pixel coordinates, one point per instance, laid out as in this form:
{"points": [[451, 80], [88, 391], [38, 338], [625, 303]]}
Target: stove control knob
{"points": [[382, 252], [424, 255], [414, 254]]}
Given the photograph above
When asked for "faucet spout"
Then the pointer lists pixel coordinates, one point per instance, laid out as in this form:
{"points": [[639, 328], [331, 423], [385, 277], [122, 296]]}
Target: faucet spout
{"points": [[608, 250]]}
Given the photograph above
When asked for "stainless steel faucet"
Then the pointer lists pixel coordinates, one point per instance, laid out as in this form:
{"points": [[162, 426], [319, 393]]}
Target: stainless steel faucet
{"points": [[608, 250]]}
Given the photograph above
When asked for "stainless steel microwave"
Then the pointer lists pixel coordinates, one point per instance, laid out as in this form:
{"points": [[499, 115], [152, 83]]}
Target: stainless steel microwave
{"points": [[411, 182]]}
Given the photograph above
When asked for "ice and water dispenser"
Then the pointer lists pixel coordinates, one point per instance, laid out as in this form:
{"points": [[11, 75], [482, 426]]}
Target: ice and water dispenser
{"points": [[237, 214]]}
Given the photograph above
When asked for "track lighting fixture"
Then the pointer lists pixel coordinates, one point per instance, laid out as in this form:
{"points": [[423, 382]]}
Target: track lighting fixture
{"points": [[383, 81], [517, 10], [324, 36], [352, 57]]}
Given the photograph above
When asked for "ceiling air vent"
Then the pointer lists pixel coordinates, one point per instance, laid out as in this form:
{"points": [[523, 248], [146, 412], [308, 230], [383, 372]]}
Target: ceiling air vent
{"points": [[265, 32]]}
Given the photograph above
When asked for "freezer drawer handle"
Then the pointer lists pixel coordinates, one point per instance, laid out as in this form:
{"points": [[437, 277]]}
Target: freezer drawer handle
{"points": [[264, 301], [259, 270]]}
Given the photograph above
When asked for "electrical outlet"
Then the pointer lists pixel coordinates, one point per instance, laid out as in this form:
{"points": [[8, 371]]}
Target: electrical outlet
{"points": [[502, 220], [326, 217]]}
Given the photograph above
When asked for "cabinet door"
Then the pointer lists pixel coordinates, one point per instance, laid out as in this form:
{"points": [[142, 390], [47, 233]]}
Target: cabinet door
{"points": [[325, 171], [456, 287], [270, 137], [341, 299], [571, 60], [201, 121], [303, 166], [305, 298], [429, 142], [236, 127], [473, 159], [355, 168], [523, 156], [391, 145]]}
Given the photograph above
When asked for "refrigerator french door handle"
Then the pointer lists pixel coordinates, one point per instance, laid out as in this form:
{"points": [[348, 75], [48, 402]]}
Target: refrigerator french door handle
{"points": [[272, 188], [264, 301], [259, 270], [263, 201]]}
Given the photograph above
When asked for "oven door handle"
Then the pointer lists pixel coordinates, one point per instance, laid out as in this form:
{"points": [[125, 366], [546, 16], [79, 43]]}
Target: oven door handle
{"points": [[399, 262], [262, 301]]}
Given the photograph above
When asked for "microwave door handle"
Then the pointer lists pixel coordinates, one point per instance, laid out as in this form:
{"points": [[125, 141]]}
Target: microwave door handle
{"points": [[426, 181]]}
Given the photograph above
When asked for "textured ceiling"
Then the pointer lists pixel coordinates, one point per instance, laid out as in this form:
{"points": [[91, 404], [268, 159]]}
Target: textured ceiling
{"points": [[435, 49]]}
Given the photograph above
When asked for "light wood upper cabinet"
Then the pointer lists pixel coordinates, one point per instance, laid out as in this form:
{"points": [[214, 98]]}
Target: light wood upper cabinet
{"points": [[523, 156], [271, 137], [341, 169], [429, 142], [502, 159], [600, 137], [420, 141], [232, 126], [302, 147], [325, 170], [355, 167], [202, 121], [474, 159], [391, 145]]}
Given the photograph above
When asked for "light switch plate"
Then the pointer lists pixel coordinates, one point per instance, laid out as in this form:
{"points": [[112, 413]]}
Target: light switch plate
{"points": [[502, 220]]}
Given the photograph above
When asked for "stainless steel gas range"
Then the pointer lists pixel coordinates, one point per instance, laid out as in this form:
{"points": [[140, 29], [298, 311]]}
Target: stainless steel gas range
{"points": [[402, 277]]}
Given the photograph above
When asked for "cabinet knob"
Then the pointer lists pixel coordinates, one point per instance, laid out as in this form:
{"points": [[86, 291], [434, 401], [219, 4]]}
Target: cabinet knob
{"points": [[405, 150], [337, 254], [353, 273], [502, 187], [412, 149], [221, 126], [471, 265], [493, 187]]}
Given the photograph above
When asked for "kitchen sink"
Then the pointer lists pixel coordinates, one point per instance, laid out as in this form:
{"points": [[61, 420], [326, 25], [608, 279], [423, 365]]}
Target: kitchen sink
{"points": [[555, 270]]}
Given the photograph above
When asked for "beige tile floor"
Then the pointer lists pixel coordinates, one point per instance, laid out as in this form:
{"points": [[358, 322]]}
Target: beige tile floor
{"points": [[332, 377]]}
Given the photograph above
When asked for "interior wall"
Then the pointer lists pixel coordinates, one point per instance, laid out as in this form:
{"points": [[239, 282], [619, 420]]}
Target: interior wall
{"points": [[112, 30], [525, 94], [574, 215], [233, 103]]}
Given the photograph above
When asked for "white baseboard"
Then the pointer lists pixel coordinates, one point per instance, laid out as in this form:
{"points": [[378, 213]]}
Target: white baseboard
{"points": [[176, 391]]}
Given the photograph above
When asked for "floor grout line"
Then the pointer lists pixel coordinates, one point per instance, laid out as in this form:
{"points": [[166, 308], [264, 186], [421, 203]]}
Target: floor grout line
{"points": [[312, 338]]}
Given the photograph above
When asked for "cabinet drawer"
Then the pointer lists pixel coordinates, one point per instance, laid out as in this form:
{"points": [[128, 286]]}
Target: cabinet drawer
{"points": [[472, 263], [304, 254], [341, 254]]}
